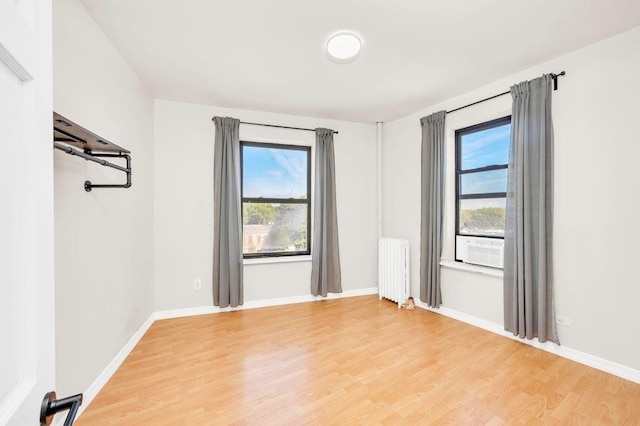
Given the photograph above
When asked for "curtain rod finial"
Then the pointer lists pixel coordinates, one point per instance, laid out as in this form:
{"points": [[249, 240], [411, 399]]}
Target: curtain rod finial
{"points": [[555, 79]]}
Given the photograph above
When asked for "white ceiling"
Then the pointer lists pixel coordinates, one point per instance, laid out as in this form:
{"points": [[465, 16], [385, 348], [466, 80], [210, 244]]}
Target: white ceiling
{"points": [[269, 55]]}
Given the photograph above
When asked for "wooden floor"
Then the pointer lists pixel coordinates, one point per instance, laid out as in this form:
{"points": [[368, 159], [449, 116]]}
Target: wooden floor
{"points": [[350, 361]]}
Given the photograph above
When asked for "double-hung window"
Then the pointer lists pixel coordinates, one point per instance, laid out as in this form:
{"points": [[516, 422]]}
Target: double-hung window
{"points": [[482, 155], [276, 199]]}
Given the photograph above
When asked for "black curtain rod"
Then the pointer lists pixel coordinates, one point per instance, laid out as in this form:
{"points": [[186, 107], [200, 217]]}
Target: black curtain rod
{"points": [[282, 127], [555, 87]]}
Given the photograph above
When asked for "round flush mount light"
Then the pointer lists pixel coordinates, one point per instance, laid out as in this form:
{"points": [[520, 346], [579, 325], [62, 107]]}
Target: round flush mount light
{"points": [[343, 47]]}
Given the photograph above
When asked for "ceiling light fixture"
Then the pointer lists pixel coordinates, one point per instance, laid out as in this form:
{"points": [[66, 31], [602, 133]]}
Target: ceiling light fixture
{"points": [[343, 47]]}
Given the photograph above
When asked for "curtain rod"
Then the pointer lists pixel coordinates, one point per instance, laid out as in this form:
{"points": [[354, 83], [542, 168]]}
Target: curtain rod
{"points": [[555, 87], [282, 127]]}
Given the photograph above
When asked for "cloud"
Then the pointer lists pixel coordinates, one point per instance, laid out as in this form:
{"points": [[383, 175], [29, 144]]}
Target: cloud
{"points": [[275, 173], [292, 162], [486, 148]]}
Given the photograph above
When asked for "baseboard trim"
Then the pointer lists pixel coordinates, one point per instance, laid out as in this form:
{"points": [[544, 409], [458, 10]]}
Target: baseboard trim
{"points": [[113, 366], [584, 358], [117, 361], [265, 303]]}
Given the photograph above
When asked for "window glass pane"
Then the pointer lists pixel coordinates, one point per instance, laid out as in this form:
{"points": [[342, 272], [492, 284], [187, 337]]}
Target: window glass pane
{"points": [[484, 216], [274, 173], [269, 228], [483, 182], [485, 148]]}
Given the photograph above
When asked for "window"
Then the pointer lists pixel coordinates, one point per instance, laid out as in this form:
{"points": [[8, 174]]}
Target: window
{"points": [[276, 194], [482, 154]]}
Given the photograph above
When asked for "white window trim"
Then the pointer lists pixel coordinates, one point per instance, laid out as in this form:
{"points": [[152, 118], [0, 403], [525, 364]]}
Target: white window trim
{"points": [[475, 269], [276, 259]]}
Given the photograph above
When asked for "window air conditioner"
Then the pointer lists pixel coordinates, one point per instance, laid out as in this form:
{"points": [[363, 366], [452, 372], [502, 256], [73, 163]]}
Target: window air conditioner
{"points": [[480, 251]]}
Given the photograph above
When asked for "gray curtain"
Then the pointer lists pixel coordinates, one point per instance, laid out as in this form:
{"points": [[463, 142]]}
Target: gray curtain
{"points": [[325, 264], [432, 206], [227, 225], [528, 269]]}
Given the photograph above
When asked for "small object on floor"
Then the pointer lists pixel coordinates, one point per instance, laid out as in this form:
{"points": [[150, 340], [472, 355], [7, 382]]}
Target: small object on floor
{"points": [[409, 304]]}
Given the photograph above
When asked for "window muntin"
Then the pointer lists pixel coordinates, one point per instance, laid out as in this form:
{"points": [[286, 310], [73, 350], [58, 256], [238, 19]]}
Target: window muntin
{"points": [[481, 178], [276, 206], [489, 182]]}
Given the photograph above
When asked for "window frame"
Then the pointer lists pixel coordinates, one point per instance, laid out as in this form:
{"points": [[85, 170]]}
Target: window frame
{"points": [[459, 172], [265, 200]]}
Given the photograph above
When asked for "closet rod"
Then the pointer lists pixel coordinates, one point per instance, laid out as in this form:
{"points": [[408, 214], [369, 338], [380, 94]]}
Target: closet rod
{"points": [[281, 127], [89, 157], [555, 87]]}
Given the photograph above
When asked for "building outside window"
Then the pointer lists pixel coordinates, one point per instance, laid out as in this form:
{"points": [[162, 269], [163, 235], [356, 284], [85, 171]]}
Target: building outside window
{"points": [[276, 199]]}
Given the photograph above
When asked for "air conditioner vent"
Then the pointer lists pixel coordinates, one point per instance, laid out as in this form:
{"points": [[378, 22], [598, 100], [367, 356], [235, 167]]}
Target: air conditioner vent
{"points": [[480, 251]]}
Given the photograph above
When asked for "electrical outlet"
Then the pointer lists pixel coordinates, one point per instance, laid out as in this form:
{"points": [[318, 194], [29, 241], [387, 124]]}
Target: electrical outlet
{"points": [[563, 321], [197, 284]]}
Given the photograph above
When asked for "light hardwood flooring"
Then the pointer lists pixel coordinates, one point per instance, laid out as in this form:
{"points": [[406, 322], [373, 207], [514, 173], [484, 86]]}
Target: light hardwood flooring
{"points": [[350, 361]]}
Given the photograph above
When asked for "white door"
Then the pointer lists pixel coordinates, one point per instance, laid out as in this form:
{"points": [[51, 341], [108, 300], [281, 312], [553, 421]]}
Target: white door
{"points": [[27, 362]]}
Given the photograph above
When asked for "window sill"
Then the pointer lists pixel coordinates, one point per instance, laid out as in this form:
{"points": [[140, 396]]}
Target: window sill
{"points": [[476, 269], [280, 259]]}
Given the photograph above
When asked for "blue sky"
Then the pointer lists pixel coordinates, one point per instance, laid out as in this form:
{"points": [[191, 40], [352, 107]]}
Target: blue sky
{"points": [[281, 173], [274, 173], [486, 148]]}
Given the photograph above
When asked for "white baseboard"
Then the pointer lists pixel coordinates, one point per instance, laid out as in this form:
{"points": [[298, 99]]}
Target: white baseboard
{"points": [[203, 310], [115, 363], [589, 360], [106, 374]]}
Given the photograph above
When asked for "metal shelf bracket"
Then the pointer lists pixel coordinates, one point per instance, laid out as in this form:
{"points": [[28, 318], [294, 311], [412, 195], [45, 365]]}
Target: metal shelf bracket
{"points": [[67, 134]]}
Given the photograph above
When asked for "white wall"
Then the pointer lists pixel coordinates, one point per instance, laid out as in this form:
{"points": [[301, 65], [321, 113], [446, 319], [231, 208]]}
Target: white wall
{"points": [[103, 239], [184, 137], [595, 112]]}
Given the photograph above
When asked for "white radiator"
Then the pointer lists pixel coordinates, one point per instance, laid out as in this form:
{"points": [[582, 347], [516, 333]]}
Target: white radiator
{"points": [[393, 270]]}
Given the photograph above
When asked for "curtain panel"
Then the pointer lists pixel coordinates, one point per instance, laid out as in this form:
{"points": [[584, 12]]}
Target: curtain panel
{"points": [[227, 222], [529, 309], [325, 264], [432, 207]]}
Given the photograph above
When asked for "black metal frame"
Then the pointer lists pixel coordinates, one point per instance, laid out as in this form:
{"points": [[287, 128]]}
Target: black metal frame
{"points": [[67, 134], [95, 157], [88, 185], [460, 172], [264, 200]]}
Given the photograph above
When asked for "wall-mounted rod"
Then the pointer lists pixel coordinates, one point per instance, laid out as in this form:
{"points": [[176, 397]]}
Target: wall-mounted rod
{"points": [[90, 157], [555, 87], [88, 186]]}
